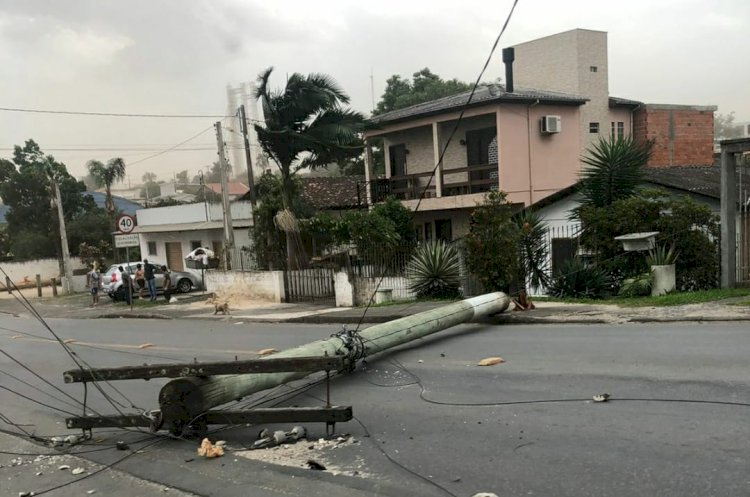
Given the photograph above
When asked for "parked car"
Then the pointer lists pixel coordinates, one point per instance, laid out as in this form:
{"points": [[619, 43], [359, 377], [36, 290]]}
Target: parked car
{"points": [[181, 281]]}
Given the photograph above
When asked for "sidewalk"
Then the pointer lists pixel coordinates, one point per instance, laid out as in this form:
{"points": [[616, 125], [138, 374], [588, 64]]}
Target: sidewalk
{"points": [[195, 306]]}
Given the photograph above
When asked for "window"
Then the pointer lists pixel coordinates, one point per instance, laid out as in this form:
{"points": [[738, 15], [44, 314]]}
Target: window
{"points": [[593, 68], [617, 129], [443, 229], [428, 232], [195, 244], [152, 248], [593, 127]]}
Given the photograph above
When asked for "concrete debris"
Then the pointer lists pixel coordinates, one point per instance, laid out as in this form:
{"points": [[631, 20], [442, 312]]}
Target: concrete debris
{"points": [[78, 471], [26, 494], [64, 467], [91, 492], [601, 397], [39, 473], [484, 494], [122, 445], [491, 361], [209, 451]]}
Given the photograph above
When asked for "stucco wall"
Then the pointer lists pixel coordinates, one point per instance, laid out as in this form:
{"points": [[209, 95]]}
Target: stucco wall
{"points": [[250, 285], [534, 165], [19, 272], [363, 288]]}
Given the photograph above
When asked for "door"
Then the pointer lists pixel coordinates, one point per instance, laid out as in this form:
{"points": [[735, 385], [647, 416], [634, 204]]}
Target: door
{"points": [[397, 154], [174, 256], [478, 144]]}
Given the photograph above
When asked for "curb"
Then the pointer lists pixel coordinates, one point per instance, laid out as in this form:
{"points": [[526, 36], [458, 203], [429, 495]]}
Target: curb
{"points": [[137, 315]]}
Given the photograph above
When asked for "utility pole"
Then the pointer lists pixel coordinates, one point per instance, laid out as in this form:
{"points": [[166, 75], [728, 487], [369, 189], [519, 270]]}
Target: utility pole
{"points": [[64, 242], [228, 228], [248, 158]]}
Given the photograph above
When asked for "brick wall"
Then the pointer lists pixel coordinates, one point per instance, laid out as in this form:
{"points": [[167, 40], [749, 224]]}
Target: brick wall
{"points": [[682, 134]]}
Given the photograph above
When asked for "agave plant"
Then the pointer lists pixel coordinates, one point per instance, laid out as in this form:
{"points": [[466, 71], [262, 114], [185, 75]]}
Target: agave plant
{"points": [[661, 256], [580, 280], [434, 270]]}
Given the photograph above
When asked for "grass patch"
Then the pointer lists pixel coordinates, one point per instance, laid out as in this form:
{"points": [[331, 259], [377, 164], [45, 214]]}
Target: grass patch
{"points": [[672, 299]]}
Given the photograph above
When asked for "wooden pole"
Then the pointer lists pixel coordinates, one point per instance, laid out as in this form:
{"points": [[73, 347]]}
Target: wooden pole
{"points": [[54, 286], [8, 284], [185, 399], [38, 285]]}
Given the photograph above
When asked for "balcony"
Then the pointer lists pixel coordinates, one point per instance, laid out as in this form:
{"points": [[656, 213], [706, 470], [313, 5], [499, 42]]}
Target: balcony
{"points": [[456, 181]]}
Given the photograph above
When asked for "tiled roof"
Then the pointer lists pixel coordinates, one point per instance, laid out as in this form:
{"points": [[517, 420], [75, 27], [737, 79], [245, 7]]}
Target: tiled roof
{"points": [[345, 192], [234, 188], [702, 180], [484, 95]]}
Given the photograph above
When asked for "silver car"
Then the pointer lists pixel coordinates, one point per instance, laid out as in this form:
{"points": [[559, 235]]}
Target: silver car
{"points": [[182, 281]]}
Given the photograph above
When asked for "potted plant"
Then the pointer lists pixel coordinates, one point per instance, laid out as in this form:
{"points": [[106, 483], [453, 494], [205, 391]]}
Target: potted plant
{"points": [[662, 262]]}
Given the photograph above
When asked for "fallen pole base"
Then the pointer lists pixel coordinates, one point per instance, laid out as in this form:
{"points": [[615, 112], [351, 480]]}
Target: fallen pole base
{"points": [[328, 415]]}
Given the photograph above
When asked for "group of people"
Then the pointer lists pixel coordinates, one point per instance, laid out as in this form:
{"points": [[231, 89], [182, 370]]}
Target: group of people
{"points": [[145, 278]]}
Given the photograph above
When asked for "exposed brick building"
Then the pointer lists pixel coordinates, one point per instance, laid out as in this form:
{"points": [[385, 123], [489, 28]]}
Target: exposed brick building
{"points": [[682, 134]]}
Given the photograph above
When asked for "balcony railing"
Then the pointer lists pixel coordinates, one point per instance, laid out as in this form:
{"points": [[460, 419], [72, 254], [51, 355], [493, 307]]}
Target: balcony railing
{"points": [[474, 179]]}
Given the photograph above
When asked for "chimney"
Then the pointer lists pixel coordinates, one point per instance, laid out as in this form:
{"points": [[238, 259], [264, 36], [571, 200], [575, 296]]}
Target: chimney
{"points": [[509, 55]]}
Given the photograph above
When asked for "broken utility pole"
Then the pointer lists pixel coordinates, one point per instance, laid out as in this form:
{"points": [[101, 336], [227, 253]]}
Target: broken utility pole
{"points": [[185, 400]]}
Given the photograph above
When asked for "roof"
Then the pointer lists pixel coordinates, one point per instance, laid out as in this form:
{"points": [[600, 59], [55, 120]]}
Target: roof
{"points": [[233, 188], [484, 95], [701, 180], [121, 204], [341, 192], [203, 225], [624, 102]]}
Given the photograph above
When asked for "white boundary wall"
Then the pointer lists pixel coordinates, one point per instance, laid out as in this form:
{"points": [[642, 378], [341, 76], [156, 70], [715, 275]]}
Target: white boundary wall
{"points": [[254, 285], [25, 272]]}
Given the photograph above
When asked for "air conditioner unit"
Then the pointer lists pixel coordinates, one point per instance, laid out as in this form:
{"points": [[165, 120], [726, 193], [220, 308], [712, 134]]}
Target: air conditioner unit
{"points": [[551, 124]]}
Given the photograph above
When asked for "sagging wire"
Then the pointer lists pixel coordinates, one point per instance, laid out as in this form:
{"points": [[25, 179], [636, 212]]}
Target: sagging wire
{"points": [[439, 162], [79, 361]]}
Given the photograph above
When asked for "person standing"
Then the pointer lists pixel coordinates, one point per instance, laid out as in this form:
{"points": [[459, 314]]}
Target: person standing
{"points": [[94, 283], [127, 285], [148, 273], [167, 283], [140, 280]]}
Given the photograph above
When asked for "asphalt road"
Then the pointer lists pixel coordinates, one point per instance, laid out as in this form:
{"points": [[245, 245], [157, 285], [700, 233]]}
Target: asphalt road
{"points": [[671, 428]]}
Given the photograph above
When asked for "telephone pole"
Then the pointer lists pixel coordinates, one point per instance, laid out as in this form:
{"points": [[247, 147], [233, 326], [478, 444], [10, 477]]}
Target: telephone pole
{"points": [[248, 157], [228, 228], [67, 282]]}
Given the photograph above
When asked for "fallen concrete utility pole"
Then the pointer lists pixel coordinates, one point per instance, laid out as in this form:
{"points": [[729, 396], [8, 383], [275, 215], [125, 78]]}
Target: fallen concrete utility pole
{"points": [[183, 401]]}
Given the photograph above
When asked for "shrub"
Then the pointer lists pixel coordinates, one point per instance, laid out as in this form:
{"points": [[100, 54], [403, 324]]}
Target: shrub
{"points": [[434, 270], [492, 251], [639, 286], [580, 280]]}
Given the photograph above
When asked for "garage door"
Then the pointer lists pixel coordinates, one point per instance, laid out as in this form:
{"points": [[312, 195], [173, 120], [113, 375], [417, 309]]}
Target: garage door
{"points": [[174, 256]]}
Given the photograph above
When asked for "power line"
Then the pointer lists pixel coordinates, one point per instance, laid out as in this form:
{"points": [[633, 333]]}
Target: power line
{"points": [[112, 114], [171, 148]]}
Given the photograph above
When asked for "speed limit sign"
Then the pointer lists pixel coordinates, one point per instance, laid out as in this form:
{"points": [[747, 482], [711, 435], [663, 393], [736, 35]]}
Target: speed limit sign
{"points": [[125, 223]]}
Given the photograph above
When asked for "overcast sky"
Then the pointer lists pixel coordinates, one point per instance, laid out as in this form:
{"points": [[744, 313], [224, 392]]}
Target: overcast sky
{"points": [[177, 56]]}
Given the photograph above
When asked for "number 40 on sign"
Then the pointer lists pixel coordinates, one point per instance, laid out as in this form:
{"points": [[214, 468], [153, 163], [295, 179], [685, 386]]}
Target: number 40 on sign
{"points": [[125, 223]]}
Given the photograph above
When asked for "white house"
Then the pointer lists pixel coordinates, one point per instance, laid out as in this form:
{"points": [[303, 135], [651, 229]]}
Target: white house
{"points": [[170, 233]]}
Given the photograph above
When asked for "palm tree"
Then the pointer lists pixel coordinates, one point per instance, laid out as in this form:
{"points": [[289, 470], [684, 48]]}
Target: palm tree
{"points": [[305, 127], [614, 170], [105, 175]]}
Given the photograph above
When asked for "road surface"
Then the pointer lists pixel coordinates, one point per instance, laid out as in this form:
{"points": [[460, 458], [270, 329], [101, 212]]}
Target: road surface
{"points": [[674, 425]]}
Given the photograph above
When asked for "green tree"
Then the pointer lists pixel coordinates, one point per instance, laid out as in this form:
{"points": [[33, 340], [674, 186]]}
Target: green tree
{"points": [[689, 227], [423, 87], [305, 127], [27, 189], [182, 177], [149, 177], [105, 175], [492, 243]]}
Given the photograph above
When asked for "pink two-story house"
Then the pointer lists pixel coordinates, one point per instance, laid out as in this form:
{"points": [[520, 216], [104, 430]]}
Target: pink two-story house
{"points": [[524, 142]]}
